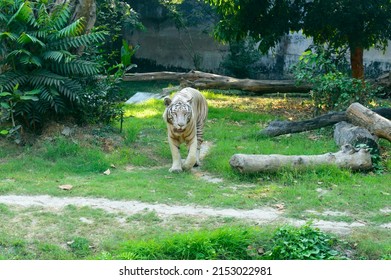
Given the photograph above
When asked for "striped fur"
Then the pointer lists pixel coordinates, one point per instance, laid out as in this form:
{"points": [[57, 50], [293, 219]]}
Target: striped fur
{"points": [[185, 116]]}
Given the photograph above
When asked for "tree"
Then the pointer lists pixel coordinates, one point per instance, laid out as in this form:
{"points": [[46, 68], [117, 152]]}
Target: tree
{"points": [[354, 24]]}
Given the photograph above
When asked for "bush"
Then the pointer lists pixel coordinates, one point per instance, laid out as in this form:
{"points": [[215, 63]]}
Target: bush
{"points": [[288, 243], [304, 243], [38, 54], [333, 89]]}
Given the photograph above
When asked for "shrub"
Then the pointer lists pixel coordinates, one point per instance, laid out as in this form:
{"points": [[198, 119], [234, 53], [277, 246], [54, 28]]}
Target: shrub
{"points": [[304, 243], [38, 46], [333, 89]]}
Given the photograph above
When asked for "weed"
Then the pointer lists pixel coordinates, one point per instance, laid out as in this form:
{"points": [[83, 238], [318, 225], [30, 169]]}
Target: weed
{"points": [[80, 246], [304, 243]]}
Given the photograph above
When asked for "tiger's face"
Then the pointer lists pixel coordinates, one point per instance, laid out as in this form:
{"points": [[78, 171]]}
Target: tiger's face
{"points": [[179, 115]]}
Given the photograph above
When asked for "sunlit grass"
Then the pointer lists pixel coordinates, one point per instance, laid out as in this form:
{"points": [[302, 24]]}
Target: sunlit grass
{"points": [[139, 160]]}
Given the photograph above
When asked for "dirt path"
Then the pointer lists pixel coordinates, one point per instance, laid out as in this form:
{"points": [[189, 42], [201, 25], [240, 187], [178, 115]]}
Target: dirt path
{"points": [[259, 216]]}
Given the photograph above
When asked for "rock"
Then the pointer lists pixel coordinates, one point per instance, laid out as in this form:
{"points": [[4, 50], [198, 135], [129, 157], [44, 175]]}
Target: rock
{"points": [[143, 96], [67, 131]]}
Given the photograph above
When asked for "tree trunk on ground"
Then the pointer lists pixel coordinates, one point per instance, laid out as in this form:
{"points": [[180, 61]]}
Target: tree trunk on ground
{"points": [[346, 133], [348, 157], [202, 80], [276, 128], [359, 115], [357, 62]]}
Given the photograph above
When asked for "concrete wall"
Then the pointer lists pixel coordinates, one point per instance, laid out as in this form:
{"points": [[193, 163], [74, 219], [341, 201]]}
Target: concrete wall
{"points": [[172, 48]]}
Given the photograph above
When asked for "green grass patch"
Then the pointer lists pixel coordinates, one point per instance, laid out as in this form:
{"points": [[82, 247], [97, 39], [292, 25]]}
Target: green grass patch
{"points": [[139, 159]]}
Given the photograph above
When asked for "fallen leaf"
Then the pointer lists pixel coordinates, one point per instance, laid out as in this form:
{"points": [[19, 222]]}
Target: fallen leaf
{"points": [[66, 187], [113, 166], [385, 193], [280, 207], [107, 172]]}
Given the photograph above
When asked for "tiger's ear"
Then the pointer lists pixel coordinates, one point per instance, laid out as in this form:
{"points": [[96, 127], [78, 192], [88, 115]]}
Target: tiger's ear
{"points": [[167, 101], [190, 100]]}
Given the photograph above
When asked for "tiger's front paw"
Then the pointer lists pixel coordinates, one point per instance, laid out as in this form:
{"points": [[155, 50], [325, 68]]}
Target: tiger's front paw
{"points": [[175, 170]]}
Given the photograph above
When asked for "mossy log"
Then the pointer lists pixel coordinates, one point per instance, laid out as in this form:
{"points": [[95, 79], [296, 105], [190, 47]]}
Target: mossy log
{"points": [[348, 157]]}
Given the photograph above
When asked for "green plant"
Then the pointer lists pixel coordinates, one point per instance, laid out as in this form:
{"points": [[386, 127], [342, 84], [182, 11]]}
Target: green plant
{"points": [[102, 99], [80, 246], [241, 62], [220, 244], [304, 243], [333, 89], [112, 17], [37, 49]]}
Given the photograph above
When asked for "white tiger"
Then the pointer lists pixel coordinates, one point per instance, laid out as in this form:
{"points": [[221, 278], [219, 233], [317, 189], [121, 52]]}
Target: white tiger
{"points": [[185, 116]]}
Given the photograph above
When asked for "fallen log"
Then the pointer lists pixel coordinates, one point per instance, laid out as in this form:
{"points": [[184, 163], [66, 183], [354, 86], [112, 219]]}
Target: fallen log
{"points": [[346, 133], [347, 157], [202, 80], [276, 128], [360, 115]]}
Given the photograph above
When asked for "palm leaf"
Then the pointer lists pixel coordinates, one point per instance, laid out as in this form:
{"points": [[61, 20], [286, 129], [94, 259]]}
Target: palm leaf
{"points": [[60, 16], [25, 38], [71, 89], [58, 56], [9, 35], [23, 14], [78, 67], [73, 29], [10, 79], [43, 77], [78, 41]]}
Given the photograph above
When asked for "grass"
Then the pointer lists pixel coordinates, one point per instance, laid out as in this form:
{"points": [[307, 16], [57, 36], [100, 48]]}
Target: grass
{"points": [[139, 159]]}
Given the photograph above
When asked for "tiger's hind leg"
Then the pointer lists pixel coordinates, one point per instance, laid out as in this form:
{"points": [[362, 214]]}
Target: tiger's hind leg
{"points": [[200, 139]]}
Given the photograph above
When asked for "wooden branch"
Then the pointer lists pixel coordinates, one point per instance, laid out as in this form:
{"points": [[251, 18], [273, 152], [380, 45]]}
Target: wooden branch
{"points": [[202, 80], [276, 128], [347, 157], [346, 133], [375, 123]]}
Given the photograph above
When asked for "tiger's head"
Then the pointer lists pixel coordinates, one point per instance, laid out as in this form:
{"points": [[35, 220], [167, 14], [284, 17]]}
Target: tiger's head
{"points": [[178, 113]]}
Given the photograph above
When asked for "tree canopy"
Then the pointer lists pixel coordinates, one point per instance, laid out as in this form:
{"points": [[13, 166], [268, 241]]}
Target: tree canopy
{"points": [[353, 24]]}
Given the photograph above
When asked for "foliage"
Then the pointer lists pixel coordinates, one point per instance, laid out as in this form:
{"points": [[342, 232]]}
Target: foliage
{"points": [[304, 243], [80, 246], [265, 21], [221, 244], [113, 16], [332, 88], [102, 99], [343, 24], [185, 15], [241, 62], [37, 47]]}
